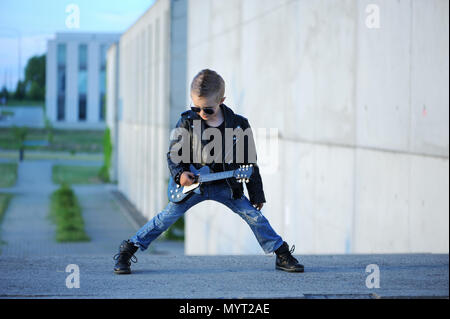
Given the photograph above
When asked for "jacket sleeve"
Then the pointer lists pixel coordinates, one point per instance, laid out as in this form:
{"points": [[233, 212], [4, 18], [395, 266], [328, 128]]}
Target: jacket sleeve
{"points": [[255, 185], [175, 145]]}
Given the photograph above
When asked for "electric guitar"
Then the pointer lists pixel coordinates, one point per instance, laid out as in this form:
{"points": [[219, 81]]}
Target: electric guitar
{"points": [[177, 193]]}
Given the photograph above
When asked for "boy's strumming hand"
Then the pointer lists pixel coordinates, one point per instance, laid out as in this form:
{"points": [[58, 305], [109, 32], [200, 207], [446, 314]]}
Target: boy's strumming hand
{"points": [[187, 178]]}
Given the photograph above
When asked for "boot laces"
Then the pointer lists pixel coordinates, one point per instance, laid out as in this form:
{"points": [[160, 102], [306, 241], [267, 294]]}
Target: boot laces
{"points": [[126, 256], [133, 258], [288, 256]]}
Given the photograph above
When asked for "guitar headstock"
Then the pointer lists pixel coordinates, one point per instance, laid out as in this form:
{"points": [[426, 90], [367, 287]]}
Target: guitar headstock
{"points": [[243, 173]]}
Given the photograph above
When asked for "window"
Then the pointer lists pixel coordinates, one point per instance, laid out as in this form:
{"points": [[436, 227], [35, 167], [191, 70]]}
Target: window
{"points": [[102, 84], [82, 82], [61, 79]]}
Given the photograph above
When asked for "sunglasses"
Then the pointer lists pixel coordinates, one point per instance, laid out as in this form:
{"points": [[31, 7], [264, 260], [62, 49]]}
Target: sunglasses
{"points": [[208, 110]]}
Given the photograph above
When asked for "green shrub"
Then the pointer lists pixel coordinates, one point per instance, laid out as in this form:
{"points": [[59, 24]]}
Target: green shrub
{"points": [[103, 174], [65, 212], [49, 130], [20, 134], [176, 231], [8, 174]]}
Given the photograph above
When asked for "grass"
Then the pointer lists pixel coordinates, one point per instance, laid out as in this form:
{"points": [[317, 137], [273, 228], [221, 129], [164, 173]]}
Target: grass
{"points": [[75, 174], [7, 113], [85, 141], [33, 155], [14, 102], [65, 212], [4, 202], [8, 174]]}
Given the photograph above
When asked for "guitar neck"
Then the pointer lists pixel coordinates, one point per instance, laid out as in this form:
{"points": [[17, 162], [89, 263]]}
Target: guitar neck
{"points": [[215, 176]]}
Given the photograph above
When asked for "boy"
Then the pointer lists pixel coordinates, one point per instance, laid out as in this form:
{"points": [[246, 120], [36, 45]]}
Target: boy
{"points": [[208, 111]]}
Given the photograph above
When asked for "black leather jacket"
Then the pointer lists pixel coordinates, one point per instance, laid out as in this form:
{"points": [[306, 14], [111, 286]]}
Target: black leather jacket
{"points": [[232, 120]]}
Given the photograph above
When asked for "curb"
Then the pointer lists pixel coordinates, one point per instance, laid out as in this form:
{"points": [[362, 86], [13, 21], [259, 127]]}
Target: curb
{"points": [[129, 210]]}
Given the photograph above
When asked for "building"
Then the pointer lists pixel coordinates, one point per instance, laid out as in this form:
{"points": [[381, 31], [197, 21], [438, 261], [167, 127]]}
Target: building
{"points": [[146, 74], [76, 79], [361, 111]]}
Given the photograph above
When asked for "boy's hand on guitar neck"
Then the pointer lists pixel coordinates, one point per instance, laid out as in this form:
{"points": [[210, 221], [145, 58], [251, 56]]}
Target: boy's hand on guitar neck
{"points": [[187, 178], [258, 206]]}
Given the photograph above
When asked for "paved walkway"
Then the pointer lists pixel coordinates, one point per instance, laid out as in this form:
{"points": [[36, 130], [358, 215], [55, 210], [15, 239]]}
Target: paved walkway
{"points": [[27, 231]]}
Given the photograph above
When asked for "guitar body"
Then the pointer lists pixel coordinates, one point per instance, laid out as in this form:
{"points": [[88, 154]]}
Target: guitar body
{"points": [[177, 193]]}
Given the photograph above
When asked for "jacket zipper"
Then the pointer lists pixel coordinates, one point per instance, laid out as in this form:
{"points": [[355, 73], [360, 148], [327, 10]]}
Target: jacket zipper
{"points": [[223, 164]]}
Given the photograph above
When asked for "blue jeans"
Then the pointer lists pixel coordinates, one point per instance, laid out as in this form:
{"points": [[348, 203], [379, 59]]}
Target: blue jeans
{"points": [[268, 239]]}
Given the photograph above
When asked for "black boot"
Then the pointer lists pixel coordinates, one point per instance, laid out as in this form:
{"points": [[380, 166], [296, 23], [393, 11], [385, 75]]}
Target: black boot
{"points": [[285, 261], [126, 253]]}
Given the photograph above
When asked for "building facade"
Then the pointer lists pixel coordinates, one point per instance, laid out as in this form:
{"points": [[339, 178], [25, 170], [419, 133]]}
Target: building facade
{"points": [[358, 91], [146, 74], [76, 80], [359, 163]]}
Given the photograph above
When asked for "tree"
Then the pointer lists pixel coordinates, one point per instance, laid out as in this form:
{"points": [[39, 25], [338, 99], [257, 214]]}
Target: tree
{"points": [[36, 92], [35, 78], [19, 94], [20, 134], [4, 95]]}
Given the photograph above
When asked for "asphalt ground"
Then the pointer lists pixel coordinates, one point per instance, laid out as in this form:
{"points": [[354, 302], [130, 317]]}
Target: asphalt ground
{"points": [[180, 276], [33, 265]]}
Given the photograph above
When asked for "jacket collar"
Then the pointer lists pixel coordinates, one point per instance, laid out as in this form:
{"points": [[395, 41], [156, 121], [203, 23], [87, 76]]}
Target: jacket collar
{"points": [[228, 115]]}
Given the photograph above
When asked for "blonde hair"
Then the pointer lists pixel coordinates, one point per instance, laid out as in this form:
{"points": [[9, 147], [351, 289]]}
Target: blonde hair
{"points": [[208, 83]]}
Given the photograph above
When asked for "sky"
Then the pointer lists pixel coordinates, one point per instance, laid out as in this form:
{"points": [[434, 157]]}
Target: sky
{"points": [[36, 21]]}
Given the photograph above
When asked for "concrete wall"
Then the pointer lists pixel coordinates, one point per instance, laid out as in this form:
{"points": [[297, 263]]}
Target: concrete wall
{"points": [[362, 117], [178, 56], [112, 102], [72, 41], [152, 71]]}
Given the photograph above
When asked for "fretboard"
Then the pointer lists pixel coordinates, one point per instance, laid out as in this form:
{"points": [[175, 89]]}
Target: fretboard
{"points": [[215, 176]]}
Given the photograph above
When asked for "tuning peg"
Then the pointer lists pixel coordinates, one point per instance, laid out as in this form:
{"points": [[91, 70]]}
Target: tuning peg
{"points": [[251, 165], [247, 180]]}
